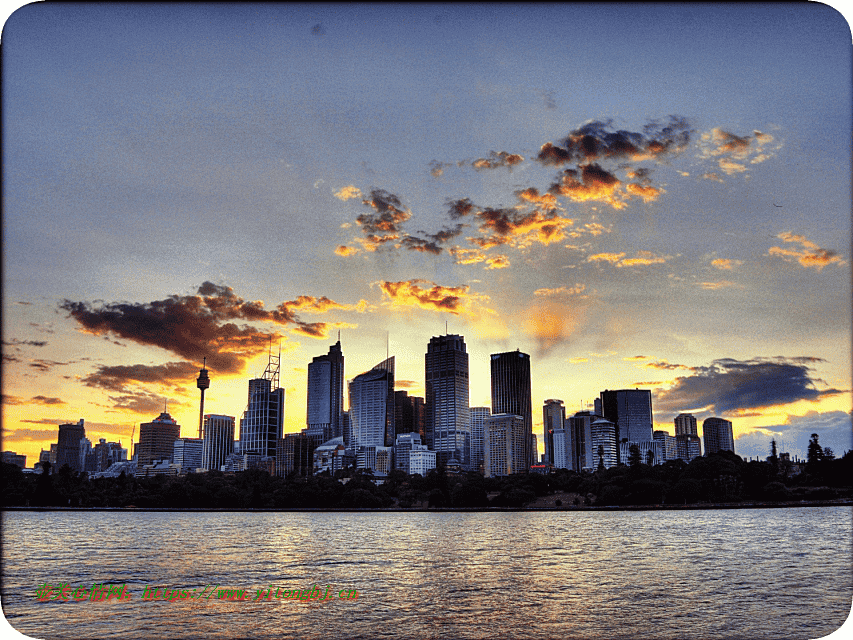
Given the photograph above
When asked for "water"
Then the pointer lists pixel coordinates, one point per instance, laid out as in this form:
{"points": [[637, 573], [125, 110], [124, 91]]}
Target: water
{"points": [[757, 573]]}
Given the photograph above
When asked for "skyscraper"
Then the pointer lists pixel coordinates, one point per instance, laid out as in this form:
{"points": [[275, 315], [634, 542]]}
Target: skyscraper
{"points": [[326, 394], [685, 423], [631, 411], [478, 434], [604, 445], [582, 453], [262, 423], [718, 435], [553, 418], [447, 422], [218, 440], [157, 439], [371, 406], [687, 443], [511, 394], [68, 445], [506, 444]]}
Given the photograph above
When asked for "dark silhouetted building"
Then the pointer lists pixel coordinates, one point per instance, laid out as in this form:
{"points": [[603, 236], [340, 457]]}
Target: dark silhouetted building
{"points": [[511, 394], [631, 411], [157, 440], [326, 394], [447, 424], [718, 435], [68, 445], [261, 426]]}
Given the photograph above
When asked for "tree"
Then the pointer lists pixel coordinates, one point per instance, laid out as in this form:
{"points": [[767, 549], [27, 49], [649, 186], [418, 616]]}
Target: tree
{"points": [[814, 454], [601, 457], [773, 459], [650, 457], [634, 456]]}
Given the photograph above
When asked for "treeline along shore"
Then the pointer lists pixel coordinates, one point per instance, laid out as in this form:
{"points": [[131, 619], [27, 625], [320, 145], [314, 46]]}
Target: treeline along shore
{"points": [[720, 480]]}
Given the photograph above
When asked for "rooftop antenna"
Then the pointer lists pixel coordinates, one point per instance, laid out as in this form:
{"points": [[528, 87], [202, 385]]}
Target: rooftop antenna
{"points": [[445, 327], [387, 344]]}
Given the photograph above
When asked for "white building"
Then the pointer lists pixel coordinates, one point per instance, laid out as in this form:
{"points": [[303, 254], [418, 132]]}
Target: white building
{"points": [[187, 453], [603, 436], [371, 407], [218, 441]]}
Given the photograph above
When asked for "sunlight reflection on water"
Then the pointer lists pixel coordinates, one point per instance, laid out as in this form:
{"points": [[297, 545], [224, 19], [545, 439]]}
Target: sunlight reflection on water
{"points": [[780, 573]]}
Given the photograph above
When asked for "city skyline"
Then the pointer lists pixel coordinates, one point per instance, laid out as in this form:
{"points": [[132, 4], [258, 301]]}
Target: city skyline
{"points": [[183, 183]]}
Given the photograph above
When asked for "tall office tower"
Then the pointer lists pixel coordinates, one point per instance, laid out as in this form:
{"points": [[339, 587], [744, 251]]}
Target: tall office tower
{"points": [[419, 416], [371, 406], [326, 394], [404, 413], [478, 425], [203, 382], [581, 452], [604, 445], [553, 418], [685, 424], [218, 440], [718, 435], [68, 445], [505, 445], [448, 421], [688, 446], [188, 452], [295, 454], [157, 439], [346, 427], [511, 393], [561, 454], [631, 411], [668, 444], [262, 423]]}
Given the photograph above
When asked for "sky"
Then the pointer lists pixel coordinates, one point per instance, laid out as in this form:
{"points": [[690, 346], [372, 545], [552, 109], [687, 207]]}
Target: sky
{"points": [[638, 196]]}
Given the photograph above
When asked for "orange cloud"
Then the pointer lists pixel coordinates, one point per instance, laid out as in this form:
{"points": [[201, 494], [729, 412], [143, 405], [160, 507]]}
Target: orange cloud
{"points": [[497, 159], [734, 152], [647, 193], [726, 264], [618, 259], [409, 293], [592, 183], [345, 251], [348, 193], [497, 262], [810, 255]]}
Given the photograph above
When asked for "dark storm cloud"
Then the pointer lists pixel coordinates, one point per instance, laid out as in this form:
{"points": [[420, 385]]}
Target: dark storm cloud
{"points": [[389, 213], [595, 141], [728, 385], [28, 343], [116, 378]]}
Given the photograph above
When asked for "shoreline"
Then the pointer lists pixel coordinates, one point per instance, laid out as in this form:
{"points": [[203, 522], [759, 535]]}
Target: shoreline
{"points": [[569, 509]]}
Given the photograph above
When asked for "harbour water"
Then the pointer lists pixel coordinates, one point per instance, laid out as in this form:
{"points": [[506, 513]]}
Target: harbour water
{"points": [[746, 573]]}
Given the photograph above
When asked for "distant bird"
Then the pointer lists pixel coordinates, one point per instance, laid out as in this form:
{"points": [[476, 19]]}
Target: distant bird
{"points": [[777, 205]]}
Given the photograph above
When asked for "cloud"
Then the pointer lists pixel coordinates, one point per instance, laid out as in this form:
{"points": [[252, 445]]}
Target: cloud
{"points": [[561, 291], [46, 400], [11, 400], [346, 251], [643, 258], [36, 435], [734, 152], [197, 326], [497, 159], [116, 378], [722, 284], [497, 262], [456, 300], [28, 343], [596, 141], [348, 193], [810, 255], [590, 182], [728, 385], [406, 384], [726, 264], [141, 402], [665, 366], [504, 226]]}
